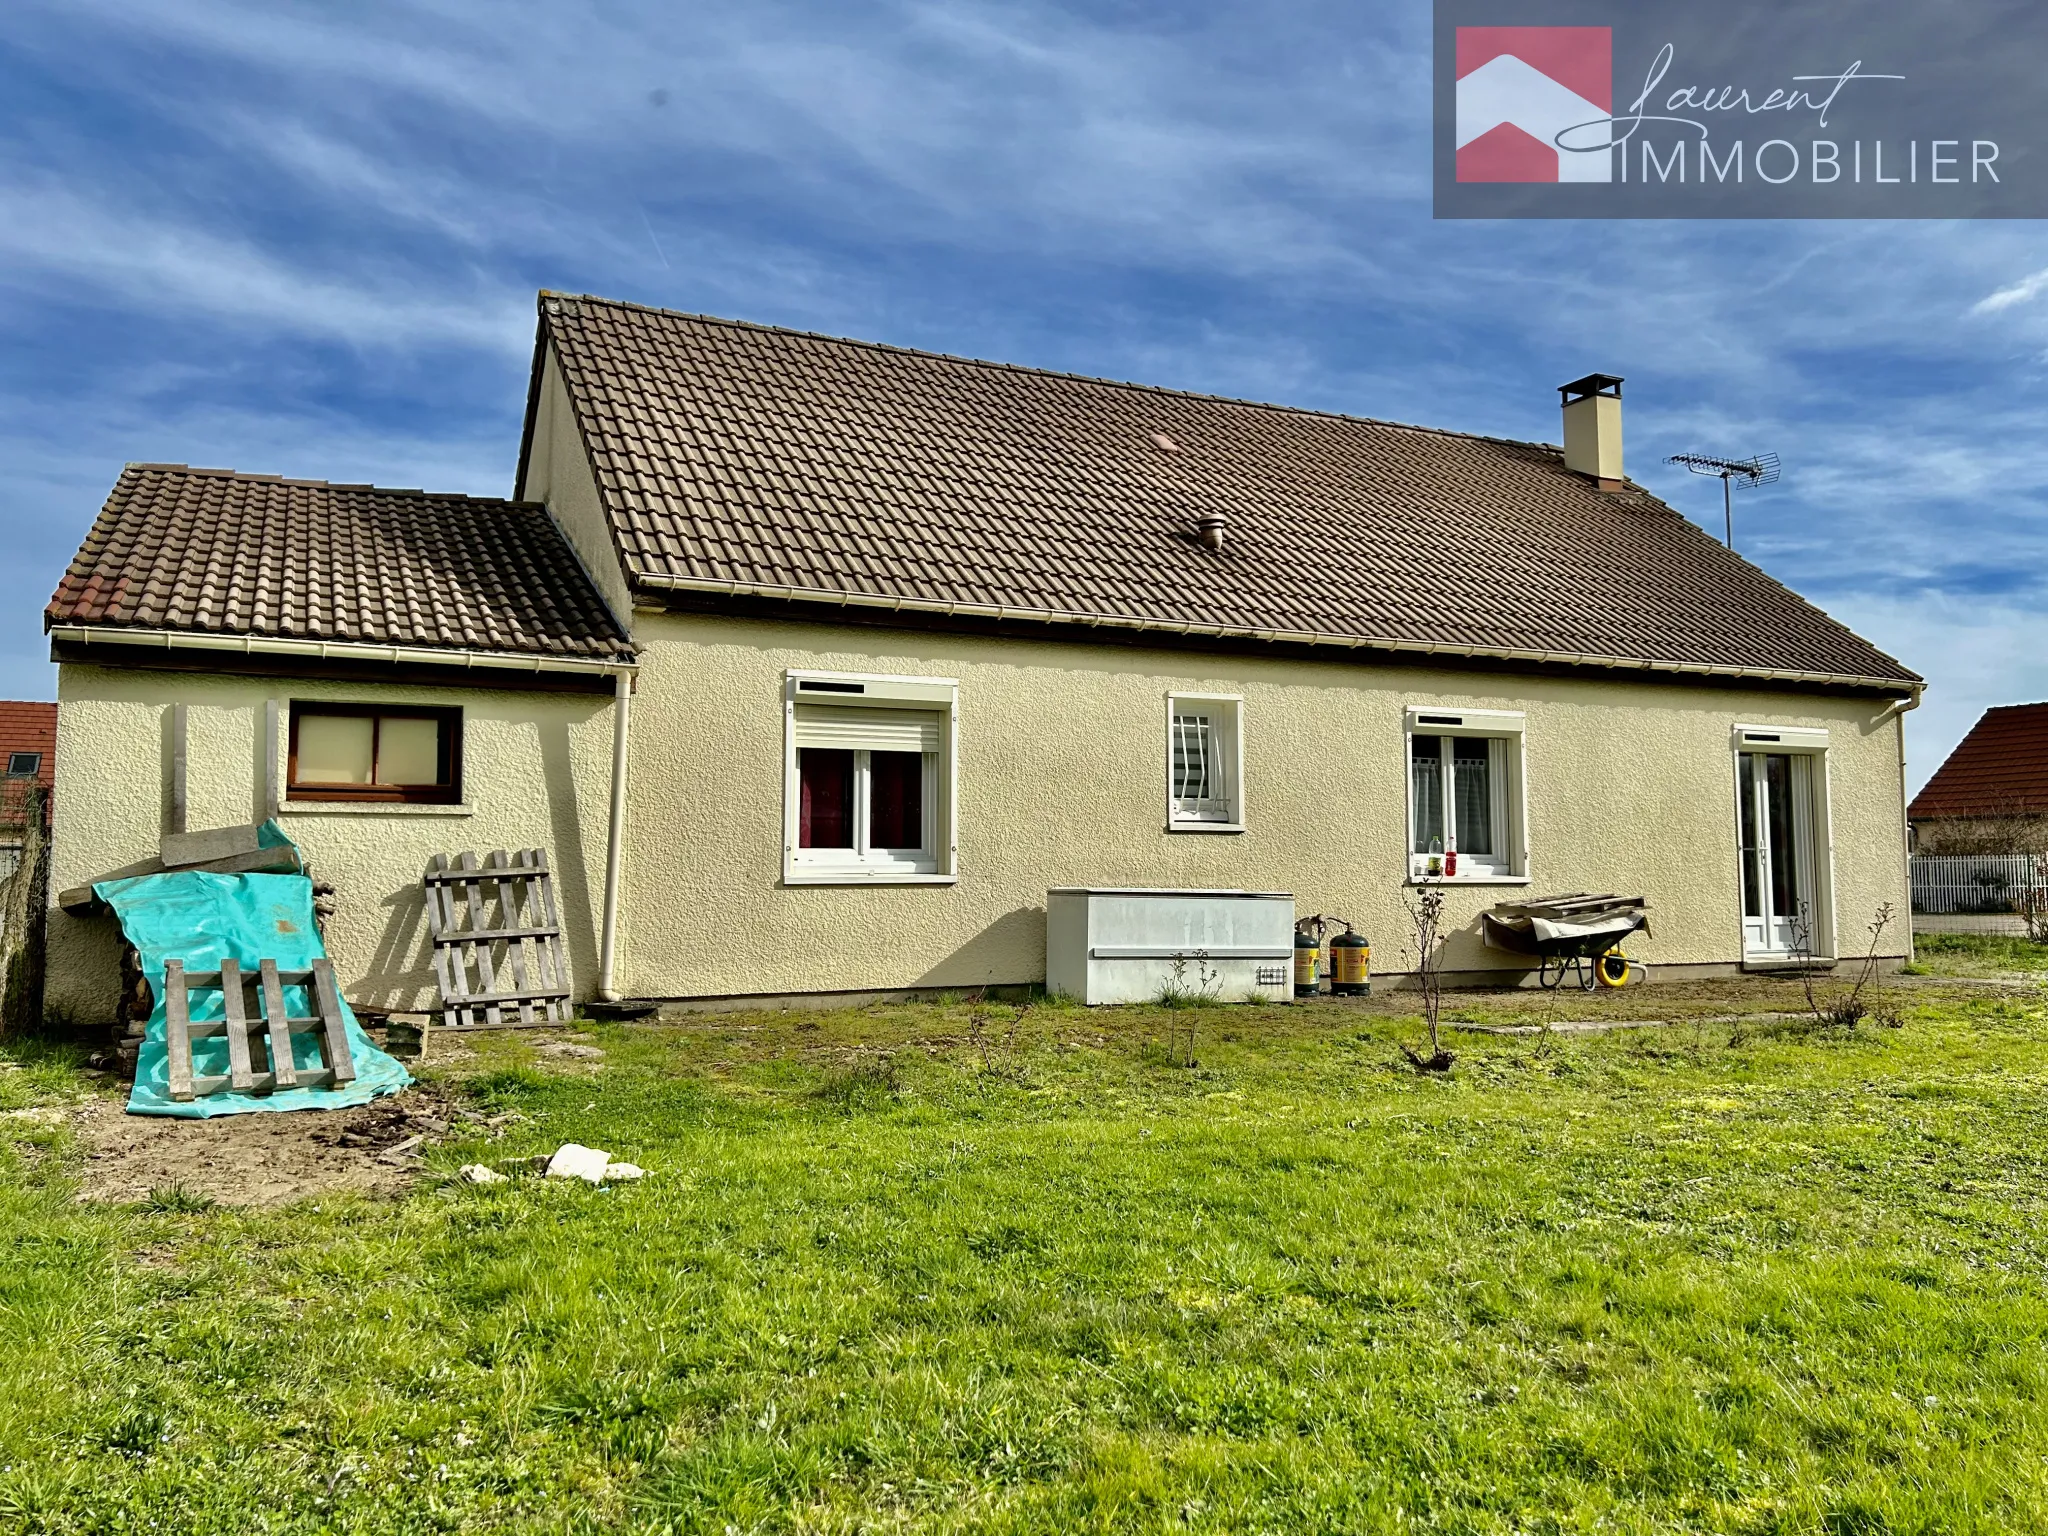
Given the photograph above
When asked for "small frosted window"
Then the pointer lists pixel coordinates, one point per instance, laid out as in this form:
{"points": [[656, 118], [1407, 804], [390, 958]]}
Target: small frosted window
{"points": [[335, 749], [408, 751]]}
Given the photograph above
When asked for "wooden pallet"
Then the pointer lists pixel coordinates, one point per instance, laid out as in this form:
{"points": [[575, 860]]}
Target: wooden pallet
{"points": [[497, 941], [269, 1022]]}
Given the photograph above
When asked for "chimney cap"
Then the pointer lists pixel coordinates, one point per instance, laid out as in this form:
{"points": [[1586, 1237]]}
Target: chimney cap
{"points": [[1591, 384]]}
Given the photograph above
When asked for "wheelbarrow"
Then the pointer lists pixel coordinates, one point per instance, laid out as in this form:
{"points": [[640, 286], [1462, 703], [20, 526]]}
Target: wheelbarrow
{"points": [[1575, 936]]}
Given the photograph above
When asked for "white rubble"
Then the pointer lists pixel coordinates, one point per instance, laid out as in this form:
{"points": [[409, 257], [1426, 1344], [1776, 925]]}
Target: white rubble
{"points": [[572, 1161], [623, 1171], [477, 1173]]}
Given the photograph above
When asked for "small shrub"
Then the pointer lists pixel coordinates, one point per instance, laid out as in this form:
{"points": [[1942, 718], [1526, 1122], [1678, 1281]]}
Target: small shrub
{"points": [[1832, 1007], [177, 1200], [1179, 990], [995, 1042], [872, 1082], [1425, 922]]}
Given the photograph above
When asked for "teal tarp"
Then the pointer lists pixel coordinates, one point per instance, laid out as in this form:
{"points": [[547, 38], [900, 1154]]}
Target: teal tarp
{"points": [[202, 919]]}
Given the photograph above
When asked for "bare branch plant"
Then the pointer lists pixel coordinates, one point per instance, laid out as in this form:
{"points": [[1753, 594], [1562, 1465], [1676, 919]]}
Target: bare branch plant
{"points": [[1425, 937]]}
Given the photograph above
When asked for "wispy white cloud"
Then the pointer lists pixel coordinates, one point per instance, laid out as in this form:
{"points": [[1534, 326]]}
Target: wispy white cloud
{"points": [[62, 243], [2025, 291]]}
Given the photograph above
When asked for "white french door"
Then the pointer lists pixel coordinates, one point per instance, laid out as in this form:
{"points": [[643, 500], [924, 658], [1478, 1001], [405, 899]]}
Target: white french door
{"points": [[1777, 810]]}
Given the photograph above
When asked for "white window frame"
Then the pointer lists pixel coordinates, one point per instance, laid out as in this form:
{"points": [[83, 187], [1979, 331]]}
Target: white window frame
{"points": [[1513, 797], [1802, 741], [1226, 712], [939, 863]]}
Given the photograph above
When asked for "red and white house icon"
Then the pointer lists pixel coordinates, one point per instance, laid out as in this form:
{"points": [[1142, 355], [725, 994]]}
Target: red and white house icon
{"points": [[1519, 88]]}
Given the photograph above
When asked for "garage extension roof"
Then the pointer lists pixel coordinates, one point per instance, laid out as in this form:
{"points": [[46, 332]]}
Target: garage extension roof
{"points": [[1999, 769], [211, 552], [742, 459]]}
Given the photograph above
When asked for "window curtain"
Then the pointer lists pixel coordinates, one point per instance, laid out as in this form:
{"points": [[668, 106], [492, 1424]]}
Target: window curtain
{"points": [[1472, 781], [1426, 770]]}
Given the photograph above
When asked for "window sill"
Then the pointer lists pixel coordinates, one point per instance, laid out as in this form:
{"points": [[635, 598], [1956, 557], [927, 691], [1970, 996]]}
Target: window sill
{"points": [[1205, 826], [370, 808], [1466, 880], [865, 877]]}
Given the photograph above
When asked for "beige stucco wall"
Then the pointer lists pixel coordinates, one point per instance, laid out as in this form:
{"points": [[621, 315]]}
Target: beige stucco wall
{"points": [[1061, 782], [558, 473], [536, 772]]}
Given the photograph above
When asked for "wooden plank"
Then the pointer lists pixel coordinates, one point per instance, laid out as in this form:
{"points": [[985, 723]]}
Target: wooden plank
{"points": [[460, 957], [284, 860], [178, 1032], [536, 993], [281, 1066], [445, 960], [196, 979], [240, 1077], [509, 893], [267, 779], [537, 861], [181, 848], [340, 1060], [486, 973], [501, 933], [178, 797], [212, 1029], [264, 1082]]}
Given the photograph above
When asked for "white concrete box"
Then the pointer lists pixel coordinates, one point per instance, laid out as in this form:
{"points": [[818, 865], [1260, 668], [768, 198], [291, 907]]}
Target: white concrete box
{"points": [[1128, 945]]}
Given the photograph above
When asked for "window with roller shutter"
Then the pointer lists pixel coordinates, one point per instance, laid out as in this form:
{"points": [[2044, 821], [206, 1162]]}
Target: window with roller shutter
{"points": [[870, 780]]}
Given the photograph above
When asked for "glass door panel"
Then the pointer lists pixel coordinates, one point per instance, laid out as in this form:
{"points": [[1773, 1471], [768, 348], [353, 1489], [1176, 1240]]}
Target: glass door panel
{"points": [[1776, 815]]}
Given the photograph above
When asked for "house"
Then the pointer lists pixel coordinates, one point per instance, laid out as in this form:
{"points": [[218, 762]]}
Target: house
{"points": [[1991, 794], [28, 760], [816, 663]]}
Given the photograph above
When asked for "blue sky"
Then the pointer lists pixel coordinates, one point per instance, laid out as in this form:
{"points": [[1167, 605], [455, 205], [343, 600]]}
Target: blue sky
{"points": [[306, 241]]}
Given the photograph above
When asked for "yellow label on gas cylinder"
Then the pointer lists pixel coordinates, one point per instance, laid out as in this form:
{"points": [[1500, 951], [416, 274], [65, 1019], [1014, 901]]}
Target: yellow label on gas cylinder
{"points": [[1305, 967], [1349, 965]]}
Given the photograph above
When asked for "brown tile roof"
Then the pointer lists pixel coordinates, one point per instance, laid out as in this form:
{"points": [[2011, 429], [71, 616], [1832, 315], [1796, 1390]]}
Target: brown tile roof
{"points": [[1999, 769], [27, 726], [743, 458], [216, 552]]}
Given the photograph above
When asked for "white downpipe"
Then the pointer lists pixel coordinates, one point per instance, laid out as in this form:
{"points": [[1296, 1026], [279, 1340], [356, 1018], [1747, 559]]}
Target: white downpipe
{"points": [[1898, 713], [615, 847]]}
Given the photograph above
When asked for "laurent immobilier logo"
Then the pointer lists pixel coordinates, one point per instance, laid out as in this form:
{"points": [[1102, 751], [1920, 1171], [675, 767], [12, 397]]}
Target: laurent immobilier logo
{"points": [[1520, 88]]}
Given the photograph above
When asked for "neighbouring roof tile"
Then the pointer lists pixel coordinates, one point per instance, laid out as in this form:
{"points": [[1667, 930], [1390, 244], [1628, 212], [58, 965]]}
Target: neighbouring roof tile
{"points": [[29, 726], [730, 453], [1999, 769], [211, 551]]}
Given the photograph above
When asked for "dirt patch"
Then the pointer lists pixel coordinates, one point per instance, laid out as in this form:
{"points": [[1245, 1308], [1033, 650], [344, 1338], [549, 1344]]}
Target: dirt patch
{"points": [[267, 1159]]}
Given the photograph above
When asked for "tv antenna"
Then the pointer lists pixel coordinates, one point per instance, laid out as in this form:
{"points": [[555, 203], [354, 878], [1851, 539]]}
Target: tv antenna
{"points": [[1747, 473]]}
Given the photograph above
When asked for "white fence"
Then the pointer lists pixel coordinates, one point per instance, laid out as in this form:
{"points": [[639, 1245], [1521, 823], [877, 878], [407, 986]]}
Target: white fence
{"points": [[1945, 884]]}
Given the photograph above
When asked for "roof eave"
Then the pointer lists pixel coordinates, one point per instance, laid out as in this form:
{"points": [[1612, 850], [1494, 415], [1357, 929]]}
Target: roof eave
{"points": [[1891, 687], [340, 650]]}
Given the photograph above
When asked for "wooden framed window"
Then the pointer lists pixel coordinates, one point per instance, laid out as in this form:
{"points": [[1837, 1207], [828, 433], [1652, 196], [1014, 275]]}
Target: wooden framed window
{"points": [[375, 752]]}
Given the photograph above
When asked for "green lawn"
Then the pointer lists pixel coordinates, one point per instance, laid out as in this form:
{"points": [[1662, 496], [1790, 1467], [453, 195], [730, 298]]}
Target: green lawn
{"points": [[1709, 1277], [1979, 954]]}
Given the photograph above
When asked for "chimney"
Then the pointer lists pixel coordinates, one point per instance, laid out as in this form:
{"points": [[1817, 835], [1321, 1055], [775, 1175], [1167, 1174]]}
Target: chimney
{"points": [[1209, 526], [1592, 428]]}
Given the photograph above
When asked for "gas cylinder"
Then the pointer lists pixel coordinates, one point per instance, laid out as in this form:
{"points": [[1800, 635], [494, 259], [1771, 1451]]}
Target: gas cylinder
{"points": [[1350, 965], [1307, 952]]}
